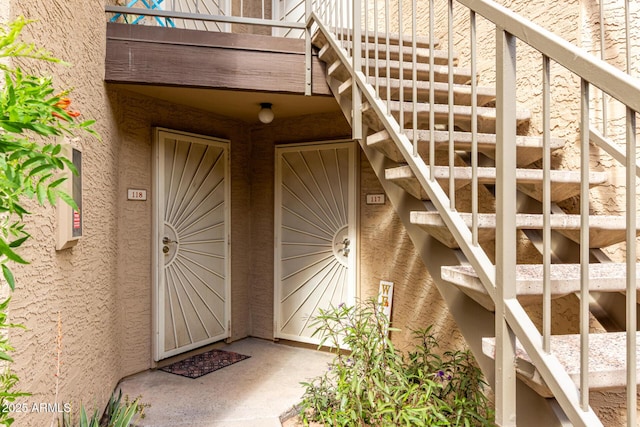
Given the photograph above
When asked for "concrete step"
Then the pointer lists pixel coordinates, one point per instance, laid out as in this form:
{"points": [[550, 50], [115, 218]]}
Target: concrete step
{"points": [[461, 75], [607, 360], [529, 147], [486, 116], [461, 93], [564, 184], [564, 280], [605, 230]]}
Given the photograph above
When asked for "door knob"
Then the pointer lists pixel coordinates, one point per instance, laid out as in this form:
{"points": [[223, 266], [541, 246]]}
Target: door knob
{"points": [[166, 240]]}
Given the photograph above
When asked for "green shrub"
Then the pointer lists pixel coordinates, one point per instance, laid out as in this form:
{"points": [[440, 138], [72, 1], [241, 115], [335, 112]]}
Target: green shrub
{"points": [[119, 413], [373, 384]]}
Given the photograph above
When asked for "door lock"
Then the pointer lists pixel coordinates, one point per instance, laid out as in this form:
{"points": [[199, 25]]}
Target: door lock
{"points": [[165, 249], [345, 246]]}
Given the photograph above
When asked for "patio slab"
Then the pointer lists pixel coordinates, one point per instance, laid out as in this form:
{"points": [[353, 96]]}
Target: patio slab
{"points": [[253, 392]]}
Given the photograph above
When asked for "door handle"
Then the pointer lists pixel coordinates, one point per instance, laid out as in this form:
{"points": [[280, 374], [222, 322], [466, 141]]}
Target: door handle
{"points": [[166, 240], [345, 246]]}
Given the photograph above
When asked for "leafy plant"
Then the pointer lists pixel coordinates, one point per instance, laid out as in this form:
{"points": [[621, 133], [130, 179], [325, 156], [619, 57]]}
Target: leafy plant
{"points": [[31, 113], [119, 413], [374, 384]]}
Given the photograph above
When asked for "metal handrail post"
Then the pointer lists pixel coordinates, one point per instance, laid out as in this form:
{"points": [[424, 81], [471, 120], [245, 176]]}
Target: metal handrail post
{"points": [[307, 49], [505, 379], [356, 95]]}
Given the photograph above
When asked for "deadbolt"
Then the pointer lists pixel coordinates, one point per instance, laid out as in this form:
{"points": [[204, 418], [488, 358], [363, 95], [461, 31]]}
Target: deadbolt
{"points": [[165, 249]]}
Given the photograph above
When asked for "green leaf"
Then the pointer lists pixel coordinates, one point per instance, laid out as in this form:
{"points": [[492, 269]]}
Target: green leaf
{"points": [[67, 199], [10, 126], [8, 276], [41, 193], [6, 251], [40, 169]]}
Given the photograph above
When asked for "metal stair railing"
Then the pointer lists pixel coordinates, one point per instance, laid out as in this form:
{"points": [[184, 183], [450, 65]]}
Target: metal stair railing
{"points": [[512, 322]]}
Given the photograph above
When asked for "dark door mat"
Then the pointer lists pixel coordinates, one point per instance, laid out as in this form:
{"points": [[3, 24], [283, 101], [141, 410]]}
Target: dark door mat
{"points": [[205, 363]]}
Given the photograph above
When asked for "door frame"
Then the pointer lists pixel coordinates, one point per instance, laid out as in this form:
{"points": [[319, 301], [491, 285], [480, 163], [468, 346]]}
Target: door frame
{"points": [[354, 215], [157, 227]]}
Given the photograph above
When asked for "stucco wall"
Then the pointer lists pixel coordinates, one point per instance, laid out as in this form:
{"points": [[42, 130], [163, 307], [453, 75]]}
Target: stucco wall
{"points": [[137, 115], [77, 283]]}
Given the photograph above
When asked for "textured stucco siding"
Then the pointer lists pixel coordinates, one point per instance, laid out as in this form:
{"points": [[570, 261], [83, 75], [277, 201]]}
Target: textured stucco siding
{"points": [[78, 283], [137, 117]]}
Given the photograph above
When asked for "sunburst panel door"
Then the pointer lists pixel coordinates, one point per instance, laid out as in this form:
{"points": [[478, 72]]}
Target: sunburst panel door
{"points": [[315, 234], [191, 246]]}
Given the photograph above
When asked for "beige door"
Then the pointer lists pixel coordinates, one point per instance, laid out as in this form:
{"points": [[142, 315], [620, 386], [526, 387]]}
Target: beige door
{"points": [[191, 262], [315, 232]]}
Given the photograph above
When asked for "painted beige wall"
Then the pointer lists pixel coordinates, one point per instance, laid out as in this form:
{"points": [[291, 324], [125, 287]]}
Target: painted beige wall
{"points": [[78, 283], [137, 116]]}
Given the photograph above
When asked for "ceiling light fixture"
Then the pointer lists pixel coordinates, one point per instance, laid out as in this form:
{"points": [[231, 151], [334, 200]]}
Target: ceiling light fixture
{"points": [[265, 115]]}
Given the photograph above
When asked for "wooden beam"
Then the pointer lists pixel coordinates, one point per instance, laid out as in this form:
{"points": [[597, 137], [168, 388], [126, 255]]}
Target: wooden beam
{"points": [[175, 57]]}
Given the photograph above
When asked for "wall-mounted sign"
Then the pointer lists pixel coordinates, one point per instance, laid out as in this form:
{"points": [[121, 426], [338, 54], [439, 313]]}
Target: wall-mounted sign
{"points": [[376, 199], [134, 194], [70, 218]]}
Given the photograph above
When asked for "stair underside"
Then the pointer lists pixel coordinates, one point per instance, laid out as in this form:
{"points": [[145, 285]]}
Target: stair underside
{"points": [[564, 184], [604, 231], [529, 148], [486, 116], [564, 280], [607, 365]]}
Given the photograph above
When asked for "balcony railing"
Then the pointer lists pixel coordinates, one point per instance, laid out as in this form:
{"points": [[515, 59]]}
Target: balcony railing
{"points": [[286, 19]]}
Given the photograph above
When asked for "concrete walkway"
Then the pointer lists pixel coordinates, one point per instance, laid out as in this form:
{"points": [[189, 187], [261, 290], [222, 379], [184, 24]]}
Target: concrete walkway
{"points": [[251, 393]]}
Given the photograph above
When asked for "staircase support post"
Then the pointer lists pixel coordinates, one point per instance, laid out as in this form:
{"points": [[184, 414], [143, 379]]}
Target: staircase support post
{"points": [[505, 379]]}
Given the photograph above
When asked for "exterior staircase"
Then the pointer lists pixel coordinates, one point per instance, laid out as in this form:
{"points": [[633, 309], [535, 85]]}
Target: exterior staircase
{"points": [[389, 75]]}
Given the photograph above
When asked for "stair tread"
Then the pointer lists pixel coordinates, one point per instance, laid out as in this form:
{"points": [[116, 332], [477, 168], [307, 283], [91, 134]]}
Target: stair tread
{"points": [[529, 147], [461, 75], [394, 38], [564, 278], [607, 358], [440, 57], [461, 92], [486, 116], [564, 184], [488, 174], [567, 221], [605, 230]]}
